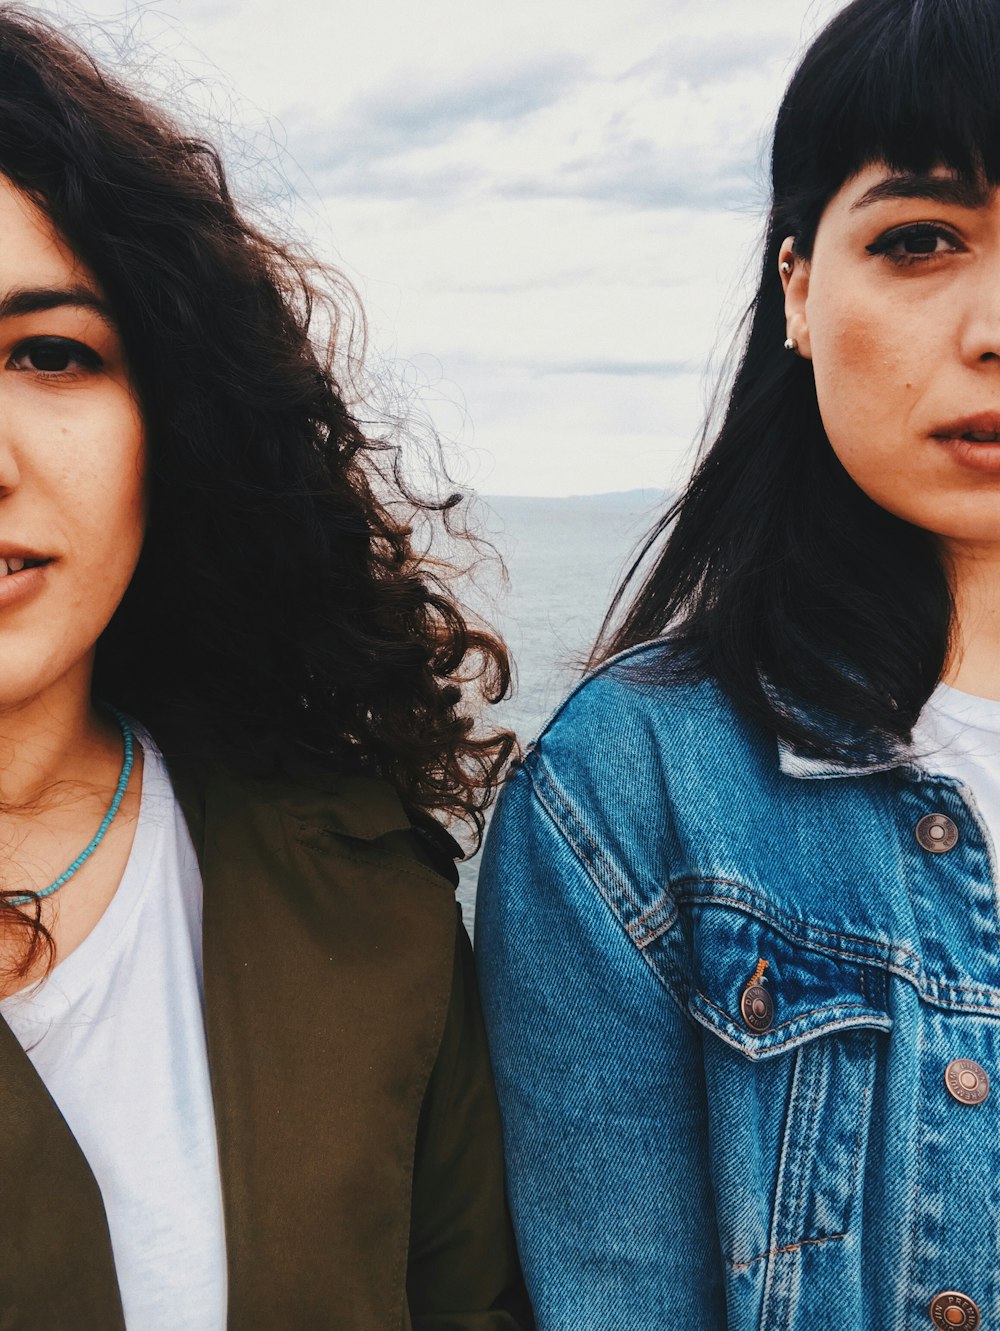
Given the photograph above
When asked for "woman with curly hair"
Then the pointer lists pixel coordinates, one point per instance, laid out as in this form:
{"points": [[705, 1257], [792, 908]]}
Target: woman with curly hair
{"points": [[243, 1075]]}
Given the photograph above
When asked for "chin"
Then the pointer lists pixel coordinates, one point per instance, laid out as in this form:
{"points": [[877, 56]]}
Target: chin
{"points": [[22, 682]]}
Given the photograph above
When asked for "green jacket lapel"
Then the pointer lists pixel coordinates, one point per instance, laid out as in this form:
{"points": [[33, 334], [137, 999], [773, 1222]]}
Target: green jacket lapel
{"points": [[319, 1008], [56, 1266]]}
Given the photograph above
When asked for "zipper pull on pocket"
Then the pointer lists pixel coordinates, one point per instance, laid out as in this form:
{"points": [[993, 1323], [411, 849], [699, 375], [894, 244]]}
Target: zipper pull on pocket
{"points": [[756, 1004]]}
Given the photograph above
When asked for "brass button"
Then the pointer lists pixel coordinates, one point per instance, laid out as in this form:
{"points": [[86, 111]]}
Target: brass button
{"points": [[967, 1082], [951, 1309], [936, 832], [757, 1007]]}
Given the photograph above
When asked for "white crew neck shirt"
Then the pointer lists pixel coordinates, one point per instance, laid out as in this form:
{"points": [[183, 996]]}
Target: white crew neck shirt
{"points": [[958, 735], [117, 1034]]}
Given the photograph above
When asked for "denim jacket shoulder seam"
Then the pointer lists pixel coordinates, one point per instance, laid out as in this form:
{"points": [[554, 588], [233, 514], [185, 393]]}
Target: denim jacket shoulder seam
{"points": [[577, 837], [648, 923]]}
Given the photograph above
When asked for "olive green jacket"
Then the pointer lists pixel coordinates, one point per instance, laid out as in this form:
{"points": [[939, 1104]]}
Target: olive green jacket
{"points": [[358, 1133]]}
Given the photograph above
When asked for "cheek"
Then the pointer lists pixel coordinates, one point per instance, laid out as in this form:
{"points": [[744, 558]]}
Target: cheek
{"points": [[127, 500], [867, 380], [113, 508]]}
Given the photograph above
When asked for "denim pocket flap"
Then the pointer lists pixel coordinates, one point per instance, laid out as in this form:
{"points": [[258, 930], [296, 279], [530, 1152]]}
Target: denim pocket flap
{"points": [[764, 992]]}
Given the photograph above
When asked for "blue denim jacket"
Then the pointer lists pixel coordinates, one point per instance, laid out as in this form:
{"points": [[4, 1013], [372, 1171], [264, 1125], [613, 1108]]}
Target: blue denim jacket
{"points": [[670, 1167]]}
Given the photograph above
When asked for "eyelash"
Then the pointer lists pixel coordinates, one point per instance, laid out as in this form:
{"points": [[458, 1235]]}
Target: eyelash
{"points": [[900, 234], [87, 360]]}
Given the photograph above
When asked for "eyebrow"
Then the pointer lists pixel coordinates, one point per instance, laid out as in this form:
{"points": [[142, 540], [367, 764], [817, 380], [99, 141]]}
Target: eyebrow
{"points": [[36, 300], [939, 189]]}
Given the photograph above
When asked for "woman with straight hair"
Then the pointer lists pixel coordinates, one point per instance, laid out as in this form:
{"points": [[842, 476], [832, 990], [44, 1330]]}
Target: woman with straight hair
{"points": [[244, 1076], [739, 924]]}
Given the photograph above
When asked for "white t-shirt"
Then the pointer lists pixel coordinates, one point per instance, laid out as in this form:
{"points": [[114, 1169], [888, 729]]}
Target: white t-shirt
{"points": [[958, 735], [117, 1034]]}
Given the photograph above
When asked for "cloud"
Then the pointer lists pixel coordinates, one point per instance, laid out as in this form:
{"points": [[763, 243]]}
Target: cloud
{"points": [[391, 180], [628, 369], [552, 279], [674, 131], [647, 176], [707, 59], [399, 117], [368, 146]]}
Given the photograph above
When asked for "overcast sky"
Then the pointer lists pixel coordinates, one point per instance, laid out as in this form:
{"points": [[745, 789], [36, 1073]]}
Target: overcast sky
{"points": [[548, 208]]}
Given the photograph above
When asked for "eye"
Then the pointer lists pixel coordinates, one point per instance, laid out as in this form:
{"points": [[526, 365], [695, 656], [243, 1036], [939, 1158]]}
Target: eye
{"points": [[920, 242], [54, 357]]}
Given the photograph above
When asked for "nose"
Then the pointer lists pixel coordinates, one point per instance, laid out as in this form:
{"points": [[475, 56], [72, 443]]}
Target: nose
{"points": [[10, 470], [12, 435], [980, 329]]}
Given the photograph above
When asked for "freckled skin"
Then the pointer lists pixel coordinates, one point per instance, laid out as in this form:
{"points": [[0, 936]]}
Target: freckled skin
{"points": [[72, 468], [900, 349]]}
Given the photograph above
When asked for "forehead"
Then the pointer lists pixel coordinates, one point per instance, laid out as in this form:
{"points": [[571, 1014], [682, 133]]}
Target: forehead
{"points": [[33, 252]]}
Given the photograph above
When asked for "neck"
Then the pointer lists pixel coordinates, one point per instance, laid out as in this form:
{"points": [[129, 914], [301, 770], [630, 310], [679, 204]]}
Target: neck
{"points": [[53, 741], [974, 660]]}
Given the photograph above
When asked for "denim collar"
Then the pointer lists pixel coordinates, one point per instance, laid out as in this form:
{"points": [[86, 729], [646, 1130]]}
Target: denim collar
{"points": [[858, 752], [807, 767]]}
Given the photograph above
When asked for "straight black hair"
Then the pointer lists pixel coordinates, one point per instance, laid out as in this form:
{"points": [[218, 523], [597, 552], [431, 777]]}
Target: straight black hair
{"points": [[779, 576]]}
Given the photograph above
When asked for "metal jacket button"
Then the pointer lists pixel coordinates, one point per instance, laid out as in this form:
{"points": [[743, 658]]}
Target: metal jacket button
{"points": [[936, 832], [757, 1007], [968, 1083], [951, 1309]]}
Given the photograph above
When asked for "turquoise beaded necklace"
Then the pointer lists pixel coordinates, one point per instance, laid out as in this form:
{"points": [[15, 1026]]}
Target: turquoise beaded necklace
{"points": [[116, 800]]}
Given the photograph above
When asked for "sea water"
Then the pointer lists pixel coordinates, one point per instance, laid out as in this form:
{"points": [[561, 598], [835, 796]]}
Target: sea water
{"points": [[564, 558]]}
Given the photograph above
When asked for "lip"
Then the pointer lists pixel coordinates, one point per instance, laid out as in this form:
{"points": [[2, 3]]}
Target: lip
{"points": [[979, 456], [10, 551], [984, 422], [16, 588]]}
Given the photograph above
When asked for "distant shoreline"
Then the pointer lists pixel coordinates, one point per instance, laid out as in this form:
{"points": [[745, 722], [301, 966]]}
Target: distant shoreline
{"points": [[642, 495]]}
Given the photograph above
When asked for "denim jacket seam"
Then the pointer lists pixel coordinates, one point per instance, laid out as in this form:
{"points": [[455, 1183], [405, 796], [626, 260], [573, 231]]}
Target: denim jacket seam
{"points": [[936, 989], [758, 1051], [774, 1236], [664, 902], [925, 985], [939, 993], [877, 952], [800, 1016], [642, 941], [544, 784], [777, 922], [577, 837], [918, 1164], [784, 1249], [648, 926], [804, 1163], [859, 1135], [568, 824]]}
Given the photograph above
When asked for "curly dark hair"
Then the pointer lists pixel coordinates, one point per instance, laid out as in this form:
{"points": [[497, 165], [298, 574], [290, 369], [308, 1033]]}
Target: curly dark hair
{"points": [[281, 610]]}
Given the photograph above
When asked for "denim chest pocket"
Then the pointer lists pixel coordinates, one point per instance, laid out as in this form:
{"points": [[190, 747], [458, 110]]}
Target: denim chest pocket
{"points": [[792, 1048]]}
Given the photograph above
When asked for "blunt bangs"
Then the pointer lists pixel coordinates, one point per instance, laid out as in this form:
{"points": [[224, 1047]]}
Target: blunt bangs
{"points": [[913, 83]]}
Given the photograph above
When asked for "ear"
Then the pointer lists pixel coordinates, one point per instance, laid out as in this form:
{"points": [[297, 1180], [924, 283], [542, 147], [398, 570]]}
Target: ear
{"points": [[794, 273]]}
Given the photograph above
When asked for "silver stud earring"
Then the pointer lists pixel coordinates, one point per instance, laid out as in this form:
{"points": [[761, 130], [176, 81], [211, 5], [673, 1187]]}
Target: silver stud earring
{"points": [[786, 266], [791, 344]]}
